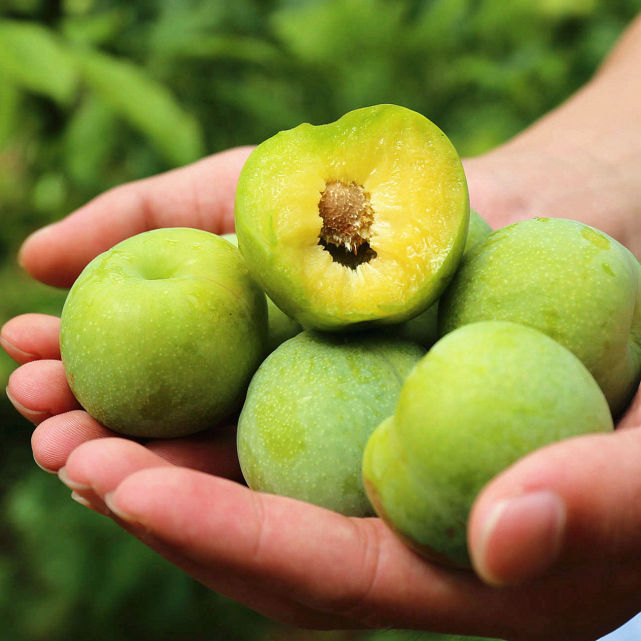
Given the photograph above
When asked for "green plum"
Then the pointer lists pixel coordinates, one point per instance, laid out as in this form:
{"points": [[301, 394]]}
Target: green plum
{"points": [[485, 395], [280, 327], [566, 279], [310, 409], [354, 223], [161, 333], [423, 329]]}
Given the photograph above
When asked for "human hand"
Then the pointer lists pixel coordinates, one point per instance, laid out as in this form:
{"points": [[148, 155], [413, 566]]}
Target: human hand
{"points": [[530, 178], [300, 563]]}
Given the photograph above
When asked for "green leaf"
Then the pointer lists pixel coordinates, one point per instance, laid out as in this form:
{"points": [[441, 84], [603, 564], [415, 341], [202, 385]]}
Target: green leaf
{"points": [[89, 140], [145, 103], [237, 48], [36, 59]]}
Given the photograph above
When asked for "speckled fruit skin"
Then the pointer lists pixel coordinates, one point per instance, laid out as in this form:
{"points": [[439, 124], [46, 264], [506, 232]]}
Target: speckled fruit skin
{"points": [[280, 327], [423, 329], [161, 334], [484, 396], [419, 193], [310, 409], [568, 280]]}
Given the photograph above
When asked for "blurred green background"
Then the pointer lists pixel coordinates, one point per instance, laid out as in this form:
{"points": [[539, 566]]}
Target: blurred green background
{"points": [[94, 93]]}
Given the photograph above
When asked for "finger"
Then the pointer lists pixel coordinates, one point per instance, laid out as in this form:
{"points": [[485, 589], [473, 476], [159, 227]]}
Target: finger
{"points": [[95, 469], [311, 567], [353, 569], [200, 195], [57, 437], [39, 390], [31, 337], [572, 502], [112, 459]]}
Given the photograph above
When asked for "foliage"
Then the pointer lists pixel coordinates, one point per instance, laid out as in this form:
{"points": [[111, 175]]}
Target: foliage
{"points": [[94, 93]]}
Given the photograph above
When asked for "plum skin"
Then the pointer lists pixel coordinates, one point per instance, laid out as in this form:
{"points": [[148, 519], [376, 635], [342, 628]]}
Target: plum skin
{"points": [[566, 279], [484, 396], [161, 334], [309, 410]]}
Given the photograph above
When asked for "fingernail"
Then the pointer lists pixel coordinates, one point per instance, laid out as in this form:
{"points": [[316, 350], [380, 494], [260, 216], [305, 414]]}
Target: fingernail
{"points": [[78, 498], [72, 485], [43, 231], [81, 499], [45, 469], [14, 351], [521, 538], [34, 416], [123, 516]]}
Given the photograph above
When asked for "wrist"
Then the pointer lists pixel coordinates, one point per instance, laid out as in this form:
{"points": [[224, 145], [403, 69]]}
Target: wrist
{"points": [[573, 163]]}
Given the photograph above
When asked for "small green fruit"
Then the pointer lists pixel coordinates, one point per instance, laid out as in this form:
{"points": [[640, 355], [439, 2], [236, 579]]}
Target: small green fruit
{"points": [[568, 280], [360, 221], [161, 334], [280, 327], [484, 396], [310, 409]]}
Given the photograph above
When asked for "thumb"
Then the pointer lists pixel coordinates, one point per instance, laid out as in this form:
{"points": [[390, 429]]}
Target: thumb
{"points": [[199, 195], [576, 501]]}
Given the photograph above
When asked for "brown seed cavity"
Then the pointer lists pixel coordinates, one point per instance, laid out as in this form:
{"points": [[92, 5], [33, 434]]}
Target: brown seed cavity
{"points": [[347, 220]]}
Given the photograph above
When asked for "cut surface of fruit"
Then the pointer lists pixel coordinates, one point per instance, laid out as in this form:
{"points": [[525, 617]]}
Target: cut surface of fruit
{"points": [[357, 221]]}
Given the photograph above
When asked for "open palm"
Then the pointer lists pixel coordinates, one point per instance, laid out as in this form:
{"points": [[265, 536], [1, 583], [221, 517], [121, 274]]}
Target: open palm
{"points": [[297, 562]]}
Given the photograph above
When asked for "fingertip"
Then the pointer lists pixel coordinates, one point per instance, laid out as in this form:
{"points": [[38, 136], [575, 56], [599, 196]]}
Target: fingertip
{"points": [[557, 507], [48, 256], [32, 243], [14, 352], [45, 469], [113, 504], [33, 416], [39, 389], [103, 464], [55, 438], [518, 538], [30, 337], [73, 484]]}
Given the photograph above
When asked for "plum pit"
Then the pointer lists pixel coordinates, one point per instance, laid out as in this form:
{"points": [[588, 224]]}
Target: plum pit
{"points": [[347, 220]]}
